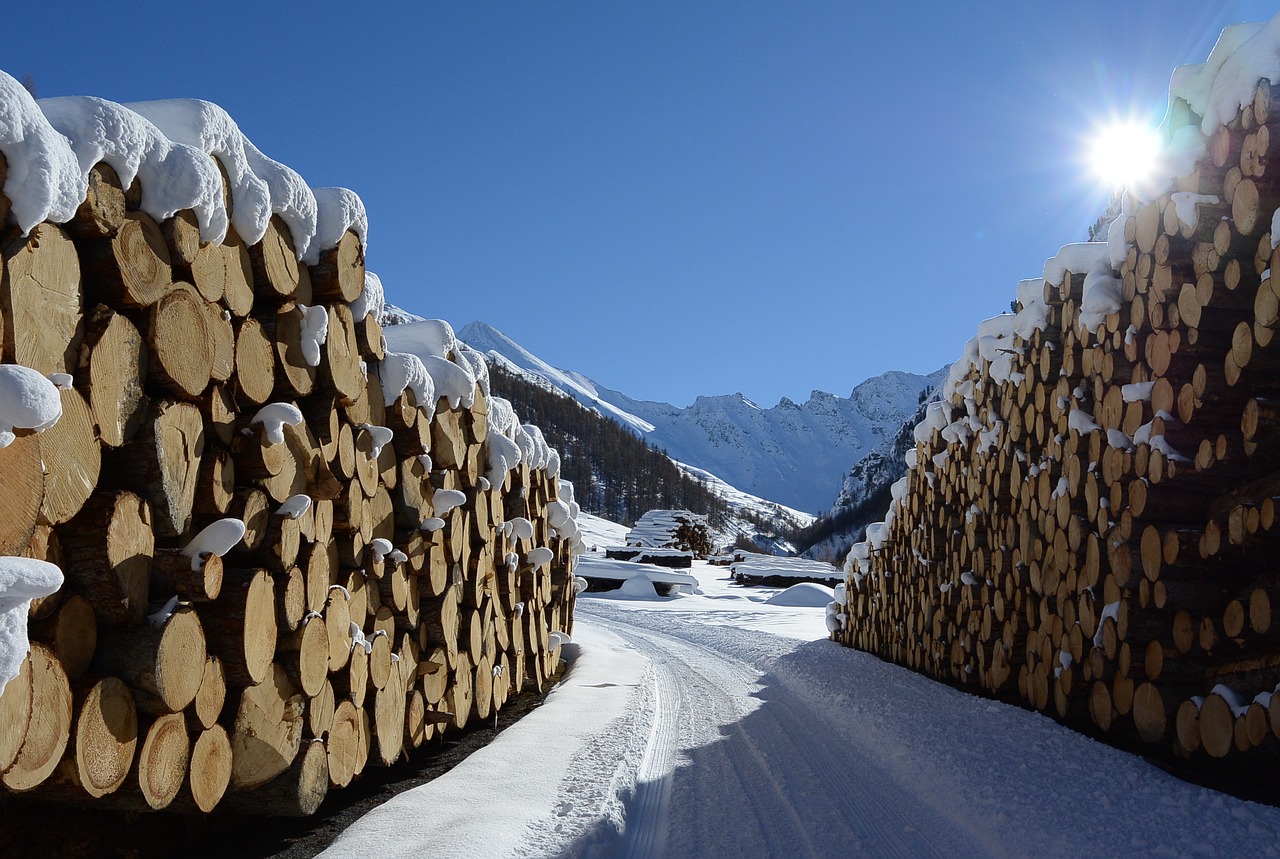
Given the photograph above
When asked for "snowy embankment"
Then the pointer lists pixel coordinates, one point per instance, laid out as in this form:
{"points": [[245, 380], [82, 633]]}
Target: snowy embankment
{"points": [[683, 727]]}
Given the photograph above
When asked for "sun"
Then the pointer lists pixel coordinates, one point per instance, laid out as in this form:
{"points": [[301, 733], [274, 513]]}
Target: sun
{"points": [[1124, 153]]}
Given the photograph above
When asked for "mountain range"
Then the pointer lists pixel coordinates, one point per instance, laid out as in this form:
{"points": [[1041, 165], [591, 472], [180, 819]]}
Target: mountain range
{"points": [[795, 454]]}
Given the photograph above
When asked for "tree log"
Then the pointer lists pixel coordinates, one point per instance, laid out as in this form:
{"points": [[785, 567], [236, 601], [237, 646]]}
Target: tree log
{"points": [[163, 664], [113, 365], [40, 301], [267, 732], [132, 268], [108, 547], [162, 464]]}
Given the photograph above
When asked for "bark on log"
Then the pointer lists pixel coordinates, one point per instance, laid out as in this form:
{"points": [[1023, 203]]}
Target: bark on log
{"points": [[71, 632], [296, 792], [241, 626]]}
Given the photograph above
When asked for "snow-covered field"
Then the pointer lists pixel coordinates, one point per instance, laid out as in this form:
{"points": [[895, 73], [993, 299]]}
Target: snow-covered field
{"points": [[719, 724]]}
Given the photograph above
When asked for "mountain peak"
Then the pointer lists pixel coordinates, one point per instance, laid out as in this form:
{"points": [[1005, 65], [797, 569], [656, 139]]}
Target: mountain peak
{"points": [[795, 454]]}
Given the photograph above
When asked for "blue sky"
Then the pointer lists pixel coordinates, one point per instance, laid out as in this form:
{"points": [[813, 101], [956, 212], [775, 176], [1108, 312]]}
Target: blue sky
{"points": [[673, 198]]}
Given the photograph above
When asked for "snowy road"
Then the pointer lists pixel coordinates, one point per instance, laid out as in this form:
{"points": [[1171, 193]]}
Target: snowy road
{"points": [[686, 727], [731, 767]]}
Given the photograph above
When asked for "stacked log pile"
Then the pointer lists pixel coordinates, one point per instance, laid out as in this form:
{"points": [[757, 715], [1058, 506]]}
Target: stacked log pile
{"points": [[395, 578], [1089, 526]]}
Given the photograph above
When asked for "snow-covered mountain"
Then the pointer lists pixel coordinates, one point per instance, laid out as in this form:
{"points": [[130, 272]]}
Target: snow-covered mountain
{"points": [[864, 495], [793, 453]]}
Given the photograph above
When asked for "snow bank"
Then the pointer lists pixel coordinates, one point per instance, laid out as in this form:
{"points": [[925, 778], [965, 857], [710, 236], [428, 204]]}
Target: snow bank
{"points": [[260, 187], [175, 176], [804, 594], [530, 777], [44, 181]]}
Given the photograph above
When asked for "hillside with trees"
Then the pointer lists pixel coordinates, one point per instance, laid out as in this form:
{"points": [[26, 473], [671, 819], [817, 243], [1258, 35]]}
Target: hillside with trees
{"points": [[615, 474]]}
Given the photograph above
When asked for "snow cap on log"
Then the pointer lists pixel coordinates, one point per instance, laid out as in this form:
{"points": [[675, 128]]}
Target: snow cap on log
{"points": [[217, 538], [453, 382], [27, 401], [273, 418], [436, 336], [315, 330], [519, 528], [504, 455], [475, 362], [381, 547], [444, 500], [379, 437], [260, 186], [44, 182], [337, 211], [21, 581], [174, 176], [400, 370], [1225, 82], [372, 299], [294, 506]]}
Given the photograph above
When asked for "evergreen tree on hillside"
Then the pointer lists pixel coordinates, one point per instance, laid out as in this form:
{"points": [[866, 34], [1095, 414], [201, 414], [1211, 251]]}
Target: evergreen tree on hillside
{"points": [[615, 474]]}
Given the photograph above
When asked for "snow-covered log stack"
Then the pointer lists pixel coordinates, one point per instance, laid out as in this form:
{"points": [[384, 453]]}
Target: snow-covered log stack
{"points": [[288, 553], [1089, 524]]}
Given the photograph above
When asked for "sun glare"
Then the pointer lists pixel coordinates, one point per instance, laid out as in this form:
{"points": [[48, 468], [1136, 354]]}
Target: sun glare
{"points": [[1124, 153]]}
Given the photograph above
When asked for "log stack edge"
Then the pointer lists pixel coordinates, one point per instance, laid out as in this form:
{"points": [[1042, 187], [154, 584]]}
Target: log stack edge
{"points": [[328, 640], [1090, 524]]}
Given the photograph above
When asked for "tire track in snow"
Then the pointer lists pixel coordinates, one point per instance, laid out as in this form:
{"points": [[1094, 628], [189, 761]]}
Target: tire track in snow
{"points": [[645, 833], [766, 777], [743, 782]]}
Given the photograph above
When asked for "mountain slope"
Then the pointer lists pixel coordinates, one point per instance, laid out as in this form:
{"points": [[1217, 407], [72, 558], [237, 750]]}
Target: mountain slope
{"points": [[793, 453], [864, 496]]}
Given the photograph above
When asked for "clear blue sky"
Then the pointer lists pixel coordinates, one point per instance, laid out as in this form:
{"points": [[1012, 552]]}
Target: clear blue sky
{"points": [[673, 198]]}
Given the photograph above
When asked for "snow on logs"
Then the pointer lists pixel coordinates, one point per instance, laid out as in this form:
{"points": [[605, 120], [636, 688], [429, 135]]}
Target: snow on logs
{"points": [[284, 548], [1089, 525]]}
